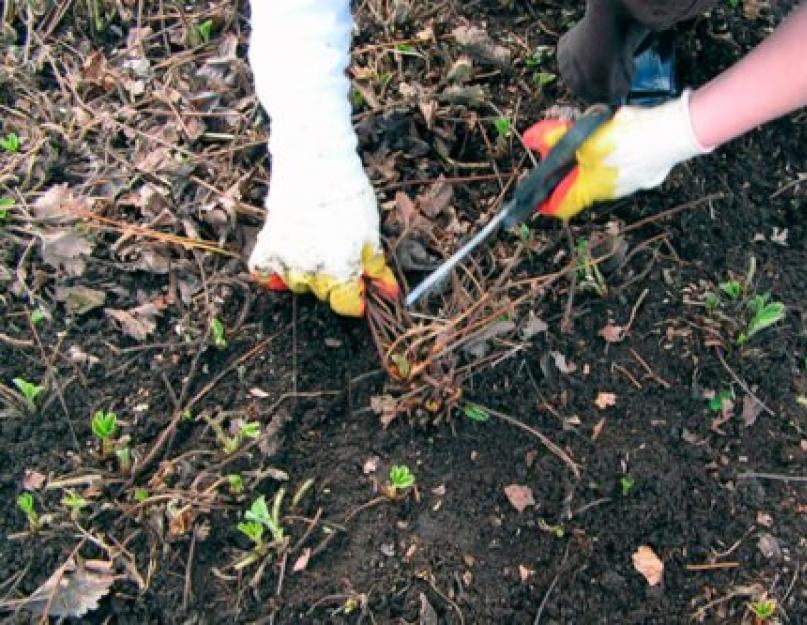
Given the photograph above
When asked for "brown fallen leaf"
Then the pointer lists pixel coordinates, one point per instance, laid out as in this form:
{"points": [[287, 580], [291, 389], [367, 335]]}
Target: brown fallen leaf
{"points": [[65, 249], [138, 322], [561, 363], [646, 562], [386, 407], [480, 46], [59, 205], [520, 497], [612, 333], [605, 400], [79, 299], [751, 410], [32, 480], [436, 198], [72, 591], [302, 562]]}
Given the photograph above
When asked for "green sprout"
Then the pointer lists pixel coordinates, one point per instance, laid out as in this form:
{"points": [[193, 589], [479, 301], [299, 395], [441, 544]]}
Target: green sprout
{"points": [[732, 289], [30, 392], [476, 413], [140, 495], [104, 425], [502, 125], [626, 483], [763, 609], [524, 232], [205, 30], [256, 520], [37, 316], [11, 143], [405, 47], [124, 455], [400, 479], [25, 502], [711, 301], [235, 483], [765, 314], [231, 444], [5, 204], [716, 402], [556, 530], [542, 79], [401, 364], [538, 56], [217, 328], [75, 503], [357, 98]]}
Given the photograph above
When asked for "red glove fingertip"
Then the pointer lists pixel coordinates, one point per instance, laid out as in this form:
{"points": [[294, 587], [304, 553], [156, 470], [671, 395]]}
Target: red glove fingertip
{"points": [[553, 206], [536, 137], [274, 282]]}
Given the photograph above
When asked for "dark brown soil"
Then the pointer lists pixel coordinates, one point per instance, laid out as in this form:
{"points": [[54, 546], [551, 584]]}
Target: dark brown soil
{"points": [[455, 542]]}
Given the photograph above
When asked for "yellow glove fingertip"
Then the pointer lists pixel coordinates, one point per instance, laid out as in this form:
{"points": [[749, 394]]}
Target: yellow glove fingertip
{"points": [[321, 285], [348, 299], [297, 281]]}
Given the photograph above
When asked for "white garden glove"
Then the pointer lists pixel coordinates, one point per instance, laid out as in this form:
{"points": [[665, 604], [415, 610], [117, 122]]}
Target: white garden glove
{"points": [[321, 231], [633, 151]]}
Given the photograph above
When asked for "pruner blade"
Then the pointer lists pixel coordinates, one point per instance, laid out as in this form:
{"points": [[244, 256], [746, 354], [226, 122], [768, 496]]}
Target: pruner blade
{"points": [[529, 194]]}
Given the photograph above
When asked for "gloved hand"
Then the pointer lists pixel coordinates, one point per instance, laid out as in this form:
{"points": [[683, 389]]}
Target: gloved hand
{"points": [[322, 228], [635, 150]]}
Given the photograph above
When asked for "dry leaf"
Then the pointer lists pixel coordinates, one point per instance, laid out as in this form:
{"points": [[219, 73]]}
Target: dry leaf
{"points": [[370, 465], [302, 562], [605, 400], [751, 410], [138, 322], [65, 250], [428, 616], [598, 428], [525, 573], [561, 363], [32, 480], [534, 325], [59, 205], [479, 45], [520, 497], [258, 392], [612, 333], [386, 407], [79, 299], [648, 564], [73, 590], [436, 198]]}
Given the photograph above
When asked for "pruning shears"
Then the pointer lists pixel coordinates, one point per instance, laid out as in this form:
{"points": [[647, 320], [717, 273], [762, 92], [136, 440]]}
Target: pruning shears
{"points": [[529, 194]]}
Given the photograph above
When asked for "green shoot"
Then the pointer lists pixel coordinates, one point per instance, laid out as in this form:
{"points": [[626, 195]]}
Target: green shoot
{"points": [[716, 402], [556, 530], [11, 143], [25, 502], [235, 484], [104, 425], [538, 56], [75, 503], [502, 125], [217, 328], [476, 413], [124, 455], [400, 479], [37, 316], [231, 444], [542, 79], [763, 609], [765, 314], [259, 513], [732, 289], [401, 364], [626, 483], [524, 232], [140, 495], [404, 47], [711, 301], [205, 30], [5, 204], [30, 392], [254, 531]]}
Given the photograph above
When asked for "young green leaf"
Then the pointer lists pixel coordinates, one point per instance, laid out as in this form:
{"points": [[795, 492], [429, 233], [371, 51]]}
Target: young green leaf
{"points": [[711, 301], [5, 204], [235, 483], [74, 501], [29, 390], [502, 125], [258, 511], [626, 484], [732, 289], [402, 364], [205, 30], [250, 430], [11, 143], [763, 609], [217, 328], [25, 502], [37, 316], [542, 79], [476, 413], [400, 477], [765, 314], [252, 530], [140, 495], [716, 402], [104, 424]]}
